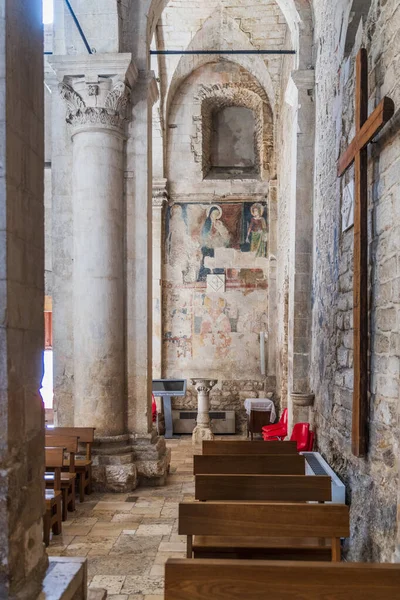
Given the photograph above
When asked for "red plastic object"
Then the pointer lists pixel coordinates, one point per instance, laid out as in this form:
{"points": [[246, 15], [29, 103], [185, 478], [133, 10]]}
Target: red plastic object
{"points": [[311, 439], [278, 430], [283, 421], [301, 435], [153, 409]]}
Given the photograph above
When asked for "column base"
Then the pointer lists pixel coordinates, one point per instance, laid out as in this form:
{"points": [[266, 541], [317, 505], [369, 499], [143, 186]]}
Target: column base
{"points": [[201, 433], [114, 468], [152, 459], [66, 578]]}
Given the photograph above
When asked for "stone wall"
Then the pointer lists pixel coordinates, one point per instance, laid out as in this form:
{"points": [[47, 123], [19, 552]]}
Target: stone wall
{"points": [[216, 243], [22, 556], [372, 482]]}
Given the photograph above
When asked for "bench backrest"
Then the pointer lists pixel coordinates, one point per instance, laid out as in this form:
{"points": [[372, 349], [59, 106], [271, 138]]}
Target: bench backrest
{"points": [[264, 519], [54, 459], [280, 520], [203, 579], [85, 435], [69, 443], [268, 464], [245, 447], [267, 488]]}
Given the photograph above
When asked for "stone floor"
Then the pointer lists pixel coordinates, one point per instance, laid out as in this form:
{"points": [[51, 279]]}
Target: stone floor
{"points": [[127, 538]]}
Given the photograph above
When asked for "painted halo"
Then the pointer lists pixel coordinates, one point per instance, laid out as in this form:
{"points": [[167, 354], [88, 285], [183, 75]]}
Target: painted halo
{"points": [[215, 206], [257, 206]]}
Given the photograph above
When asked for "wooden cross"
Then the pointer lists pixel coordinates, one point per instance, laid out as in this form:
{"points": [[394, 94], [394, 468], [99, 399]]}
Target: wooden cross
{"points": [[366, 129]]}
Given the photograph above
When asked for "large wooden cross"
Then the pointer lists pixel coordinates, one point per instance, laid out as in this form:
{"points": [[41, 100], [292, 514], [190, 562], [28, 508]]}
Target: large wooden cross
{"points": [[366, 129]]}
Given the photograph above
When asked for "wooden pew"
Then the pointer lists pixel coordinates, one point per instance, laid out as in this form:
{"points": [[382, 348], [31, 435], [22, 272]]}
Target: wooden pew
{"points": [[258, 580], [83, 466], [245, 464], [70, 445], [266, 488], [54, 458], [259, 530], [246, 447]]}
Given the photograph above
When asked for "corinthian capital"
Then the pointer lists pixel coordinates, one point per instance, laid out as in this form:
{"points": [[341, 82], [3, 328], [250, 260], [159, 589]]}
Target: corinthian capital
{"points": [[80, 113], [97, 89]]}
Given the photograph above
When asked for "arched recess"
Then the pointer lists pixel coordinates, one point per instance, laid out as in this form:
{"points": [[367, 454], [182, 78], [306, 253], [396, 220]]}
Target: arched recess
{"points": [[217, 97]]}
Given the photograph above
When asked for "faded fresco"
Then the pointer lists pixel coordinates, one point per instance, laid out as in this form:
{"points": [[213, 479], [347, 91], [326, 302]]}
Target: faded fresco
{"points": [[215, 288]]}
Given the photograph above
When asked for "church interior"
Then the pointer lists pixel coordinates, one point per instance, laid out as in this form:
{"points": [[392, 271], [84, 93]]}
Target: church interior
{"points": [[200, 299]]}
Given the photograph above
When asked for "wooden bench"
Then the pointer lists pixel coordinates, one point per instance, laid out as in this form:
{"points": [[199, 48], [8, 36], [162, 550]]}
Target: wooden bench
{"points": [[68, 478], [83, 466], [266, 488], [295, 531], [246, 447], [54, 458], [258, 580], [267, 464]]}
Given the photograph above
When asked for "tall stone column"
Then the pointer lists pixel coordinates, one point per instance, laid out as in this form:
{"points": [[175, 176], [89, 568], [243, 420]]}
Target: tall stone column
{"points": [[97, 112], [160, 198], [202, 431], [23, 559], [152, 456], [300, 288]]}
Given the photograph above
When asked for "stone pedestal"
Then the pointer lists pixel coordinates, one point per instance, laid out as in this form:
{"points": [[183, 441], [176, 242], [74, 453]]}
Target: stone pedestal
{"points": [[152, 459], [202, 431]]}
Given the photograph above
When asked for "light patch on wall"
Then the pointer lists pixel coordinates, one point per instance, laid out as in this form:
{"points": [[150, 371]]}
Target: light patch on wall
{"points": [[48, 12]]}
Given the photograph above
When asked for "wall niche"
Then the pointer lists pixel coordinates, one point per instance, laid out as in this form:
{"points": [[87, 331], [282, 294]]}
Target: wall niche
{"points": [[233, 142]]}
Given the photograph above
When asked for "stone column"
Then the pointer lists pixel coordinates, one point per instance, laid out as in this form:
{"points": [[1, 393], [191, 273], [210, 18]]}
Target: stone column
{"points": [[202, 431], [300, 288], [97, 112], [160, 199], [152, 456], [23, 559]]}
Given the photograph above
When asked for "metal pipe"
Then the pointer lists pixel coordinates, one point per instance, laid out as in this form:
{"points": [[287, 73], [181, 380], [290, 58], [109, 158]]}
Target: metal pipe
{"points": [[190, 52], [73, 15]]}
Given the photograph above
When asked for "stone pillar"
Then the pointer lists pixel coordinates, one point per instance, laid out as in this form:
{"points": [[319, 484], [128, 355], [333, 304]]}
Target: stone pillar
{"points": [[202, 431], [301, 230], [272, 293], [160, 198], [23, 560], [152, 456], [97, 92]]}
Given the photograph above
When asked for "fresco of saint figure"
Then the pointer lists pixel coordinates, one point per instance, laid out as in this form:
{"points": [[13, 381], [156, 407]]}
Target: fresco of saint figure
{"points": [[214, 233], [257, 233]]}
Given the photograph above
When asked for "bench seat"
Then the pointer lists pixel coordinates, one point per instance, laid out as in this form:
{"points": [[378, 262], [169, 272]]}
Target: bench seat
{"points": [[256, 548]]}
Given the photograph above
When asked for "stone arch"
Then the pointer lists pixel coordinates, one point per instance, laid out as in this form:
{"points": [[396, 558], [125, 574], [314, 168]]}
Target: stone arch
{"points": [[297, 13], [216, 97], [209, 37], [358, 12]]}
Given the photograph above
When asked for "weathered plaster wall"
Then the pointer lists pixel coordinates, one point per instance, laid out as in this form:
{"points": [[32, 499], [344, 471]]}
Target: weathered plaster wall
{"points": [[372, 482], [286, 133], [215, 228], [22, 556]]}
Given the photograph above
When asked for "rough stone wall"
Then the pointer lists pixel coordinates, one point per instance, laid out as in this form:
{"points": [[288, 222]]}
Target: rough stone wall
{"points": [[22, 556], [372, 483]]}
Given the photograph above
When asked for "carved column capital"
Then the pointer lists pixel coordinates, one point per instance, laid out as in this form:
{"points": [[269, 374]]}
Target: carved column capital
{"points": [[203, 386], [160, 193], [97, 90]]}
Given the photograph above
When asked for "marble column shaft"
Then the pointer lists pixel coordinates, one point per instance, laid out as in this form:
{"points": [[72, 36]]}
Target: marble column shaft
{"points": [[98, 280]]}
